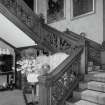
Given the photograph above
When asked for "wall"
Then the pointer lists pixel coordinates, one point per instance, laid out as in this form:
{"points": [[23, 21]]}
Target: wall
{"points": [[91, 24]]}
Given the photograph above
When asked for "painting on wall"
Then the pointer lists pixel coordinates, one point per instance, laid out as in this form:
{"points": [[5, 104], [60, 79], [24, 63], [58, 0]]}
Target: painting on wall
{"points": [[81, 8], [55, 10]]}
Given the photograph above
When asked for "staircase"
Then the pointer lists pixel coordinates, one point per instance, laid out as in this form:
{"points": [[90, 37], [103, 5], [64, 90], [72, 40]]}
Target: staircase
{"points": [[91, 90], [57, 86]]}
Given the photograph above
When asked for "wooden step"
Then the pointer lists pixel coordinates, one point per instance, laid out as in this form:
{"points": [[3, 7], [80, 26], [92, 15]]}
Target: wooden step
{"points": [[91, 96], [81, 102], [93, 85], [98, 86], [96, 76]]}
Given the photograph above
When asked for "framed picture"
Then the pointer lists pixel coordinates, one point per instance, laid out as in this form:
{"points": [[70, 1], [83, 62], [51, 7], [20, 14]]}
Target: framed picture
{"points": [[81, 8], [55, 10]]}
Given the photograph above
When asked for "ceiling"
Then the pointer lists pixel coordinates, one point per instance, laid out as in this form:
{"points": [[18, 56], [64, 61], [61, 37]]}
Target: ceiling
{"points": [[13, 35]]}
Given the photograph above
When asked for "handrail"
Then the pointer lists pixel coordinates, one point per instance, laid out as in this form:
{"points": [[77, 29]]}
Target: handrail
{"points": [[78, 37], [67, 62], [59, 33], [20, 11], [58, 40], [56, 86], [93, 49]]}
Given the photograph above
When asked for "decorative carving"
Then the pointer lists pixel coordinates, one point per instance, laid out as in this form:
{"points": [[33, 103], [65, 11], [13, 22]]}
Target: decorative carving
{"points": [[94, 55], [61, 87], [59, 43], [22, 12], [103, 45]]}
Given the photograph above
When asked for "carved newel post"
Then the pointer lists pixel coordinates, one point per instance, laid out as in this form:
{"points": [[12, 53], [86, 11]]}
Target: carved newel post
{"points": [[44, 89]]}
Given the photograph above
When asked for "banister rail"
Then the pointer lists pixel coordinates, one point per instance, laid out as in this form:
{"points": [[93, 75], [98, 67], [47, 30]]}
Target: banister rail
{"points": [[20, 10], [55, 87], [58, 33], [58, 40], [94, 52], [93, 49]]}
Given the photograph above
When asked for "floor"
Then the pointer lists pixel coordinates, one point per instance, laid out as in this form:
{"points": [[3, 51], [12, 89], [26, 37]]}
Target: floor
{"points": [[12, 97]]}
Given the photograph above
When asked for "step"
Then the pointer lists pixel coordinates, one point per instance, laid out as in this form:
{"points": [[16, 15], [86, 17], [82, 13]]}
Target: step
{"points": [[93, 85], [98, 86], [81, 102], [83, 85], [91, 96], [96, 68], [96, 76]]}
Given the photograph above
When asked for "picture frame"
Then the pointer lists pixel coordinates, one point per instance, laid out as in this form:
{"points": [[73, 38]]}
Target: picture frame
{"points": [[81, 8], [55, 10]]}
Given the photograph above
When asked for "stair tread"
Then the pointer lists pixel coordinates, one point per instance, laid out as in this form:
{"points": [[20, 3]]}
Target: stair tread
{"points": [[95, 76], [83, 102], [96, 83], [92, 92], [93, 85], [91, 96]]}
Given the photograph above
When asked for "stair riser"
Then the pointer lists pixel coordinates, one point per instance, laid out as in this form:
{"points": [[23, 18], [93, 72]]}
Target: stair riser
{"points": [[97, 88], [98, 100], [90, 86], [89, 78], [90, 98], [77, 95], [68, 103], [83, 86]]}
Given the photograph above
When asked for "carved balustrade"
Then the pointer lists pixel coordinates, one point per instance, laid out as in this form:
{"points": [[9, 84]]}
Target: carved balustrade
{"points": [[20, 9], [94, 52], [57, 40], [56, 86]]}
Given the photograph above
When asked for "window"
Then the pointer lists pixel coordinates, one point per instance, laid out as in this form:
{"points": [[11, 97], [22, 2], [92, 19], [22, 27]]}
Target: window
{"points": [[82, 7]]}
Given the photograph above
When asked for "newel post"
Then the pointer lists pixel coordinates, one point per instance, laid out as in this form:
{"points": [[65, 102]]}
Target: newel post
{"points": [[84, 60], [44, 91], [84, 56]]}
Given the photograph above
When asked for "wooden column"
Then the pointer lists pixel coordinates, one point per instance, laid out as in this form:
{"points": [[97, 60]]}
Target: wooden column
{"points": [[84, 59], [44, 91]]}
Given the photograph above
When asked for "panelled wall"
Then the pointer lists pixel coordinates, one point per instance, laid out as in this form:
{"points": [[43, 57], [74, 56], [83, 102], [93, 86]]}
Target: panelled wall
{"points": [[91, 24]]}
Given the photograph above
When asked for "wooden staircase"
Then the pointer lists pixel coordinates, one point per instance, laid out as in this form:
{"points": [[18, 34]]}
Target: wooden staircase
{"points": [[57, 86], [91, 90]]}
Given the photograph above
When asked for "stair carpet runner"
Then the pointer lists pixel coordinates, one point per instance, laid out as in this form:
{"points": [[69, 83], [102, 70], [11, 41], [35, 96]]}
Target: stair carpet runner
{"points": [[91, 91]]}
